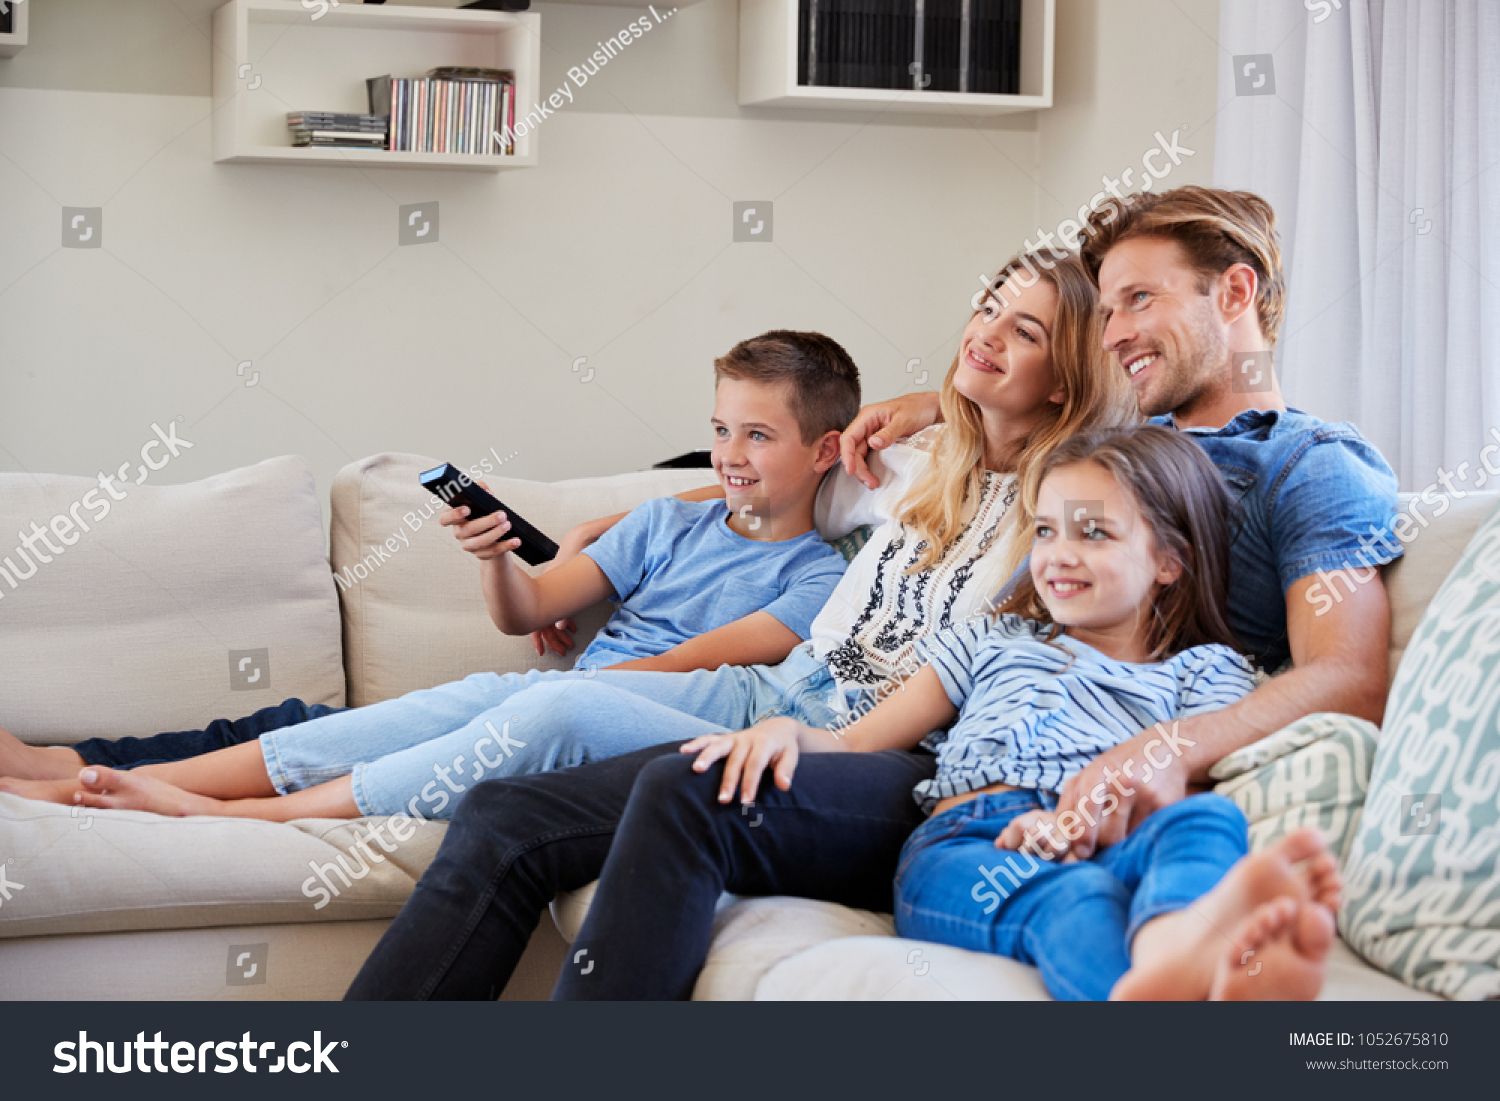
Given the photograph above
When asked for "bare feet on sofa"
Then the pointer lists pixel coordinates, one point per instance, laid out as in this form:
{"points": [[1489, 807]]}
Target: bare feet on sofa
{"points": [[1285, 941], [36, 762], [46, 791], [115, 789], [1270, 901]]}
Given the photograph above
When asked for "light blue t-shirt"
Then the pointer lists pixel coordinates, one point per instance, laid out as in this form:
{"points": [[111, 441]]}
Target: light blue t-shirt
{"points": [[679, 571], [1032, 712]]}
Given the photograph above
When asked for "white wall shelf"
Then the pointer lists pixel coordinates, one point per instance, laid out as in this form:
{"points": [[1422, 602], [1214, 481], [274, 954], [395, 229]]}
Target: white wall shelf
{"points": [[11, 43], [307, 64], [768, 68], [641, 4]]}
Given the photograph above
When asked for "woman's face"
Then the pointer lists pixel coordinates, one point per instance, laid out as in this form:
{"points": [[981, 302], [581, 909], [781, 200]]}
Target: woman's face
{"points": [[1005, 356]]}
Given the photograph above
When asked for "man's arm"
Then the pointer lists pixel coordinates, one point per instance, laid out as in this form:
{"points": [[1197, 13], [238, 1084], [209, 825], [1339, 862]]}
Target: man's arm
{"points": [[757, 639], [1340, 663]]}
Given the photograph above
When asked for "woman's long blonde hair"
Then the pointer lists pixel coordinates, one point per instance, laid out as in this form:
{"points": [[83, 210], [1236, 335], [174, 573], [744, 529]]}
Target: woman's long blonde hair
{"points": [[942, 501]]}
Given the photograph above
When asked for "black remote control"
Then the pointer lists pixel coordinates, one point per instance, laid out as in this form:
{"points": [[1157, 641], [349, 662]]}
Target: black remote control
{"points": [[444, 481]]}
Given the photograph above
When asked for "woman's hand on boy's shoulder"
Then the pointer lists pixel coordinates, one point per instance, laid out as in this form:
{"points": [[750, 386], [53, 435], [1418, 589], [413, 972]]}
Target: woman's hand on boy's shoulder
{"points": [[881, 425], [746, 753]]}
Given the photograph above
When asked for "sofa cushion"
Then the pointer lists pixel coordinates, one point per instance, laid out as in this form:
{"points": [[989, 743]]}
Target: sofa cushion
{"points": [[1435, 548], [413, 613], [1422, 895], [141, 624], [892, 969], [72, 870], [1312, 773], [752, 936]]}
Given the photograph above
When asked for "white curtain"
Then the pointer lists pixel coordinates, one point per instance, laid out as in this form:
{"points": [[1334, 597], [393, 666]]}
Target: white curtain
{"points": [[1380, 150]]}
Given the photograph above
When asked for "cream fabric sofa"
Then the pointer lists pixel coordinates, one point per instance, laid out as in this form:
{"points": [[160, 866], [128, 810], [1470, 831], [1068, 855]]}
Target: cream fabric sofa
{"points": [[188, 603]]}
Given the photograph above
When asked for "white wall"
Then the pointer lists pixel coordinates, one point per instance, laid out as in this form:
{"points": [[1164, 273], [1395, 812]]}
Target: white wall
{"points": [[616, 248]]}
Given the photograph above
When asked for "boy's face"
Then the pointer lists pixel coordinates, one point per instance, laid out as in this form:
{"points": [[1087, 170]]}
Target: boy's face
{"points": [[758, 451]]}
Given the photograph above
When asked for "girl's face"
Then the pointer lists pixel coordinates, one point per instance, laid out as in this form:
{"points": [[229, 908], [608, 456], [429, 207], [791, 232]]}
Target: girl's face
{"points": [[1005, 356], [1095, 561]]}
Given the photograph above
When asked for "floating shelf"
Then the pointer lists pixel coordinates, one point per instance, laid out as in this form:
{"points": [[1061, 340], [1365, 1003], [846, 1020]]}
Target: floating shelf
{"points": [[768, 68], [12, 42], [302, 63]]}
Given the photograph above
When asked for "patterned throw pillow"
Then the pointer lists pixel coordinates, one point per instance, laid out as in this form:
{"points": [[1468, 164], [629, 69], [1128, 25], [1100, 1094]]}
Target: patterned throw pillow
{"points": [[1422, 884], [1312, 773], [851, 544]]}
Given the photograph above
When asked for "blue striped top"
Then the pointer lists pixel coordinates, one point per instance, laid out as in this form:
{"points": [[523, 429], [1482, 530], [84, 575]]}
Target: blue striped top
{"points": [[1032, 713]]}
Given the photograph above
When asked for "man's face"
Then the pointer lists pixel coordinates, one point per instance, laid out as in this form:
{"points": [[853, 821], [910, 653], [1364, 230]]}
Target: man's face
{"points": [[1167, 336]]}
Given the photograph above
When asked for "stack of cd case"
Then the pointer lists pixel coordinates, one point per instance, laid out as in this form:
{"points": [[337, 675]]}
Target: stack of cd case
{"points": [[336, 128]]}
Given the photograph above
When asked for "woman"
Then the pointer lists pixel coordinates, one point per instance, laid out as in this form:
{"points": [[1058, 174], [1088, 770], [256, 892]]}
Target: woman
{"points": [[954, 511]]}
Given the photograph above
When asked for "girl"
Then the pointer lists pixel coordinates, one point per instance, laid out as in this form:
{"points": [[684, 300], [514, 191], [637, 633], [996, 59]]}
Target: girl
{"points": [[1028, 374], [1120, 624]]}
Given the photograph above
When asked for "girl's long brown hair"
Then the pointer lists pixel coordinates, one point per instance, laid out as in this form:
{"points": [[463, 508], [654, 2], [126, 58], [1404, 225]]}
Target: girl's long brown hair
{"points": [[943, 499], [1184, 502]]}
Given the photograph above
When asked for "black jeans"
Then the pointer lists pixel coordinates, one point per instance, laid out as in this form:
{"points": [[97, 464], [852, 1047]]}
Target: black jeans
{"points": [[182, 744], [664, 849]]}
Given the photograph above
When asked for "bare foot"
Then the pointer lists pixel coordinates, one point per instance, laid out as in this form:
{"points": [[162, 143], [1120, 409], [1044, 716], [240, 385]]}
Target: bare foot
{"points": [[115, 789], [1278, 954], [1178, 955], [47, 791], [36, 762]]}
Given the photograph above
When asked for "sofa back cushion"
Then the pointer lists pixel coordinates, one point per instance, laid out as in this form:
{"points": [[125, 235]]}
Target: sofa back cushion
{"points": [[1422, 894], [179, 605], [413, 613], [1432, 550]]}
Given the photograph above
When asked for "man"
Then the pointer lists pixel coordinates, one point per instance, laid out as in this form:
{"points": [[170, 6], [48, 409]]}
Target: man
{"points": [[1190, 280]]}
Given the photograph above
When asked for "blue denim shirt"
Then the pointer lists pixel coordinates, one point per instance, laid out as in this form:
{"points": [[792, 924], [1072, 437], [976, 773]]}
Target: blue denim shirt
{"points": [[1308, 491]]}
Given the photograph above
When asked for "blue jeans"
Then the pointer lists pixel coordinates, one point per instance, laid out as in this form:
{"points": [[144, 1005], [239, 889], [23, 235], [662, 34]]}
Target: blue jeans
{"points": [[1075, 921], [417, 755], [180, 745]]}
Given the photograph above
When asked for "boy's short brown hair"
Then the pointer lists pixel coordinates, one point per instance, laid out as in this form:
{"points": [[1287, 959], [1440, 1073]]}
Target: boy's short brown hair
{"points": [[823, 381], [1215, 229]]}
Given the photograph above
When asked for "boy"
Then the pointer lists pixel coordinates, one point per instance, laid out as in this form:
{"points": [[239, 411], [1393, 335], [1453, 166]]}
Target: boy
{"points": [[735, 580]]}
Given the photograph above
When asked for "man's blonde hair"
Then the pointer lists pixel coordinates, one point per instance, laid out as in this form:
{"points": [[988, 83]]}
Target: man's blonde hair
{"points": [[1215, 230]]}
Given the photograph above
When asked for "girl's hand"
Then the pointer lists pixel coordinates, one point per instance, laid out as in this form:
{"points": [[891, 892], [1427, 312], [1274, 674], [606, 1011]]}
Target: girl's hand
{"points": [[746, 753], [1036, 833]]}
